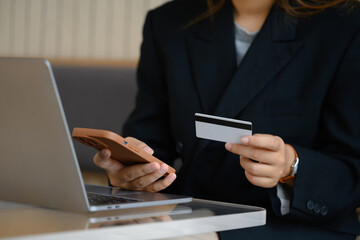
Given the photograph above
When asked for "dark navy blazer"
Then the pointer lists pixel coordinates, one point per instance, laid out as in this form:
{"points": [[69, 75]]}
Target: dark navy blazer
{"points": [[299, 80]]}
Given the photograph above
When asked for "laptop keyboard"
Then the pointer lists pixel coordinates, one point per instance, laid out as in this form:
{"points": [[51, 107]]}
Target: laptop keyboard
{"points": [[99, 199]]}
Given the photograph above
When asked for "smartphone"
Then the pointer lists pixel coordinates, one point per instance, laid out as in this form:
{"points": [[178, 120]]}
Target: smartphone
{"points": [[121, 150]]}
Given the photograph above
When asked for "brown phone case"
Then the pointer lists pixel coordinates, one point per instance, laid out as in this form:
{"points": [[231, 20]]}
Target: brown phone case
{"points": [[121, 150]]}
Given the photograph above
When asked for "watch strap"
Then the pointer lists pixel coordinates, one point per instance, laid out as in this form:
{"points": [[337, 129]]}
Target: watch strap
{"points": [[293, 169]]}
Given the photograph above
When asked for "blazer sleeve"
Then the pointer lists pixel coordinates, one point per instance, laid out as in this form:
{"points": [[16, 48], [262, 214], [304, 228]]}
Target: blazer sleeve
{"points": [[149, 120], [327, 184]]}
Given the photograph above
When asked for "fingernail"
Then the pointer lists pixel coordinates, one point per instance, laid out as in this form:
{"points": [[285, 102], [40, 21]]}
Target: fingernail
{"points": [[104, 154], [171, 177], [245, 140], [228, 146], [148, 150]]}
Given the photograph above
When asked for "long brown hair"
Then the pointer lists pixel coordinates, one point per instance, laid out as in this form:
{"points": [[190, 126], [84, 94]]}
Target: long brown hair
{"points": [[301, 8], [296, 8]]}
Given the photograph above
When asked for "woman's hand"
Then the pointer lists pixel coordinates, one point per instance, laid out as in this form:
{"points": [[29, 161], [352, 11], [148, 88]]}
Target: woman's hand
{"points": [[136, 177], [265, 158]]}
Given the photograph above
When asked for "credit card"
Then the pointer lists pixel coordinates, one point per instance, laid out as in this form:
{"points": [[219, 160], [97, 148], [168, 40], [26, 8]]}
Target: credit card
{"points": [[221, 129]]}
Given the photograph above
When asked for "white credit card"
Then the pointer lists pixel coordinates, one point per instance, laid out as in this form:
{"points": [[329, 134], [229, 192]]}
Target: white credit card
{"points": [[221, 129]]}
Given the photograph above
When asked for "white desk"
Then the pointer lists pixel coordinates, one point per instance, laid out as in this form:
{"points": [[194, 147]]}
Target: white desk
{"points": [[20, 221]]}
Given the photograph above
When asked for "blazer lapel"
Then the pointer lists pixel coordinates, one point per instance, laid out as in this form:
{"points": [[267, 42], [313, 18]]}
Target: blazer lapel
{"points": [[271, 50], [213, 58]]}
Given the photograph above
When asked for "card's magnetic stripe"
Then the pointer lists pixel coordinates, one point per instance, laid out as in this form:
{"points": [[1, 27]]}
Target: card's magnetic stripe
{"points": [[223, 122]]}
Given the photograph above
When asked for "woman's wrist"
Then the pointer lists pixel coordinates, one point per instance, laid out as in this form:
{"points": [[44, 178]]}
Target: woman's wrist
{"points": [[291, 159]]}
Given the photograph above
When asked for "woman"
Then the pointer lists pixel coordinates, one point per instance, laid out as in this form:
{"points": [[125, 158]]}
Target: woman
{"points": [[292, 68]]}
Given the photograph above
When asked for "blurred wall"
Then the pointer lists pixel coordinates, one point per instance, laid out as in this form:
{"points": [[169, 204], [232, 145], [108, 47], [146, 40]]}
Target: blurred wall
{"points": [[73, 29]]}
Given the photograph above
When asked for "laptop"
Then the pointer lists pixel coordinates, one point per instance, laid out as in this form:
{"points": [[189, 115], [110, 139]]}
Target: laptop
{"points": [[38, 164]]}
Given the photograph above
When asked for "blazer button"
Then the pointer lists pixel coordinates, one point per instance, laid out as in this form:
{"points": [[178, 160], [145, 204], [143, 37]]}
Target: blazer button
{"points": [[324, 210], [317, 208], [310, 205], [179, 146]]}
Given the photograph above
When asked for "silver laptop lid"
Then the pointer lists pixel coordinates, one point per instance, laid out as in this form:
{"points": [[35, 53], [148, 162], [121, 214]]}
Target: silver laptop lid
{"points": [[38, 164]]}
